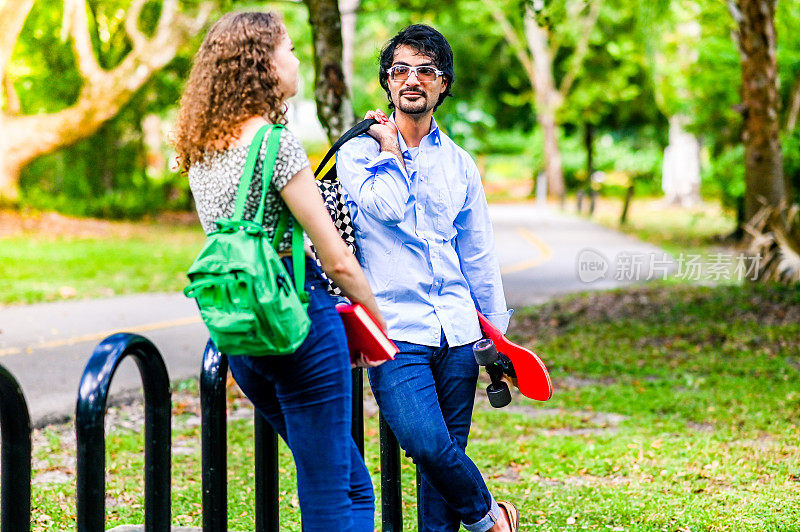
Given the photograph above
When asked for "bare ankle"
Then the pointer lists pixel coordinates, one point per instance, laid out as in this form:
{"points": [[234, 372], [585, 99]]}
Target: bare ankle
{"points": [[503, 524]]}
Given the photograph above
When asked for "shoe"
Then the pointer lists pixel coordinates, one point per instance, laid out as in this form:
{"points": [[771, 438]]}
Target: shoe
{"points": [[513, 514]]}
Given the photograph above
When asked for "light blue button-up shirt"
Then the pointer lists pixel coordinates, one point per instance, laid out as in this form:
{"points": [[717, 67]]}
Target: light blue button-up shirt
{"points": [[425, 239]]}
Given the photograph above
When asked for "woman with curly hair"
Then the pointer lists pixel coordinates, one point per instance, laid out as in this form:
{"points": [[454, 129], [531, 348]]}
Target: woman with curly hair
{"points": [[242, 75]]}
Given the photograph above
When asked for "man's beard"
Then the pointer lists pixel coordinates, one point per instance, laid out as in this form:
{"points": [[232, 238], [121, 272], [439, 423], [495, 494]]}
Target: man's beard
{"points": [[417, 107]]}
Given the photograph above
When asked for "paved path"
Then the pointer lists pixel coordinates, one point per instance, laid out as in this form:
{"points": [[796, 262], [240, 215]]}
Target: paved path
{"points": [[47, 345], [541, 250]]}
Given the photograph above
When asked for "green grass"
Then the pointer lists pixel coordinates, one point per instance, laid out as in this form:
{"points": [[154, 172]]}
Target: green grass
{"points": [[110, 258], [675, 408], [701, 228], [35, 267]]}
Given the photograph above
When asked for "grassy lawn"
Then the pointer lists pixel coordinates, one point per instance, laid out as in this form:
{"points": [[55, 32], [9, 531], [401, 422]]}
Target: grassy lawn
{"points": [[51, 257], [676, 229], [676, 408]]}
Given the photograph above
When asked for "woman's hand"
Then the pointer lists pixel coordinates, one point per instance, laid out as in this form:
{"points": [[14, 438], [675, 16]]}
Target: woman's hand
{"points": [[364, 363], [381, 322]]}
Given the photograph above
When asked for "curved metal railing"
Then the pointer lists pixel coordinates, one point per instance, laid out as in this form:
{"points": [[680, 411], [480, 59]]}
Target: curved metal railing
{"points": [[90, 431], [15, 464]]}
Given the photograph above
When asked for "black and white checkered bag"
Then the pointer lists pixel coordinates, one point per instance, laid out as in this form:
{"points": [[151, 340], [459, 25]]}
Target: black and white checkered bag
{"points": [[328, 184]]}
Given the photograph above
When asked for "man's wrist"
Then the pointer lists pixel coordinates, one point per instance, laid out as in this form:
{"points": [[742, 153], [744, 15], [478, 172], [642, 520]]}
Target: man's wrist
{"points": [[388, 143], [394, 149]]}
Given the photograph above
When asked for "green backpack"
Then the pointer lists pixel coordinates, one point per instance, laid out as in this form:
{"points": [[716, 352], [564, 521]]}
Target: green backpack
{"points": [[245, 295]]}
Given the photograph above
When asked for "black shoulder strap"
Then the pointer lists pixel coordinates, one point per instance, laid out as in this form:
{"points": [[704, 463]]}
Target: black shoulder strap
{"points": [[353, 132]]}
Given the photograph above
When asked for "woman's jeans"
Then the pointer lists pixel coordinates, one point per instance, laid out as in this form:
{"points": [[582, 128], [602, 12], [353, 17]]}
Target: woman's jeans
{"points": [[307, 398], [426, 395]]}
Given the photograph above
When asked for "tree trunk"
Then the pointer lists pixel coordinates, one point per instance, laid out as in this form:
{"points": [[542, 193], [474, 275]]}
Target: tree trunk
{"points": [[761, 104], [334, 108], [552, 156], [588, 143], [12, 17], [794, 106], [680, 174], [104, 92], [348, 8], [25, 137], [548, 101], [9, 176]]}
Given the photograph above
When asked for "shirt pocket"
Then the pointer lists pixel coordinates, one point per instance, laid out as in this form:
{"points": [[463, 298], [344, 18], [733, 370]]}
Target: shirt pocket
{"points": [[446, 204]]}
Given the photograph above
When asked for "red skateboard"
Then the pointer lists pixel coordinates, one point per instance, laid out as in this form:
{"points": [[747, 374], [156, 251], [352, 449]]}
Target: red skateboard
{"points": [[522, 367]]}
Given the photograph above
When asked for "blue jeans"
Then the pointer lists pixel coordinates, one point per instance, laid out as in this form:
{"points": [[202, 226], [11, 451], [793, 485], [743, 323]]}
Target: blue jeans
{"points": [[426, 395], [307, 398]]}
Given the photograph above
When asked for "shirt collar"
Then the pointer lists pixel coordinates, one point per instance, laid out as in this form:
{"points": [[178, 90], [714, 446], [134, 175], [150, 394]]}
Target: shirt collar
{"points": [[433, 134]]}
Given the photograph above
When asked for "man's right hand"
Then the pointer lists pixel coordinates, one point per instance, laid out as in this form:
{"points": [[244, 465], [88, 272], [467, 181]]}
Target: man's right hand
{"points": [[385, 132]]}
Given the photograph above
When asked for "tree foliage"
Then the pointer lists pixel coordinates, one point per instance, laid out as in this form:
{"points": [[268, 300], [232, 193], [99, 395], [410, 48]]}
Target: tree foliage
{"points": [[619, 78], [111, 171]]}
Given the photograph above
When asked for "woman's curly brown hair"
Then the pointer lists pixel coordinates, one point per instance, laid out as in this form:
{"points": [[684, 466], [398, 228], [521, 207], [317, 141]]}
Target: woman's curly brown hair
{"points": [[233, 78]]}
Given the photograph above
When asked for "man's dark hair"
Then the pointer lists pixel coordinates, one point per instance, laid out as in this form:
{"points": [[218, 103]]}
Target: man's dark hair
{"points": [[427, 41]]}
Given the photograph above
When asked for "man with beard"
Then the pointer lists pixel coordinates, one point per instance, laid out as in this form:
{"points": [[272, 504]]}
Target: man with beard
{"points": [[427, 248]]}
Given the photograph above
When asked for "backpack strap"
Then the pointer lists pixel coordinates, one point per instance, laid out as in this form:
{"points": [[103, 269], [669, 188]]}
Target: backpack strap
{"points": [[356, 130], [247, 173], [268, 168], [299, 262], [267, 171], [298, 252]]}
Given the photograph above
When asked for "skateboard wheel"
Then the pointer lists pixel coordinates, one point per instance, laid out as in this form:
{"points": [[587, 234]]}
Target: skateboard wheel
{"points": [[499, 394], [485, 352]]}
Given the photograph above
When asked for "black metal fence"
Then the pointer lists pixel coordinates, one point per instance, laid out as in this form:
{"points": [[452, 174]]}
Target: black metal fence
{"points": [[15, 464], [214, 451], [391, 488], [93, 391], [214, 435], [90, 431]]}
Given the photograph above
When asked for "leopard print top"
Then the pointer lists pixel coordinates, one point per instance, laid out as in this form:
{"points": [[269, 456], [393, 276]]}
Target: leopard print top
{"points": [[214, 182]]}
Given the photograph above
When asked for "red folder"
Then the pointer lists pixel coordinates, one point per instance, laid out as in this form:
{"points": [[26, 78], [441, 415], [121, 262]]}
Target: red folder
{"points": [[364, 335]]}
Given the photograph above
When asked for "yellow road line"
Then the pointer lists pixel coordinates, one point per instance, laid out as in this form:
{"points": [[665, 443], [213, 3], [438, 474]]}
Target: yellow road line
{"points": [[93, 337], [545, 253]]}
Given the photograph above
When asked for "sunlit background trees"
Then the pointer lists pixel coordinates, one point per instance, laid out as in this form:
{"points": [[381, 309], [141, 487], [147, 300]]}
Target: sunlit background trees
{"points": [[683, 98]]}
